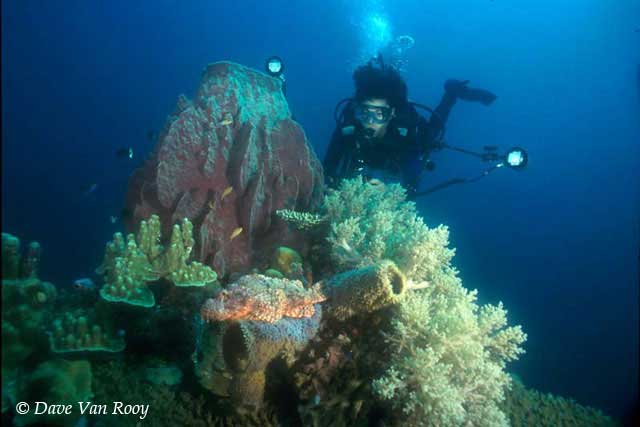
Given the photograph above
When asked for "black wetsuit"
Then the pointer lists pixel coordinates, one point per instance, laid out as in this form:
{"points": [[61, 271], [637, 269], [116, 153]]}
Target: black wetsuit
{"points": [[409, 140]]}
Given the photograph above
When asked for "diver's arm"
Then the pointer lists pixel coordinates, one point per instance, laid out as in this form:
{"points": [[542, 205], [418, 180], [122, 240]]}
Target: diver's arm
{"points": [[439, 119], [334, 155]]}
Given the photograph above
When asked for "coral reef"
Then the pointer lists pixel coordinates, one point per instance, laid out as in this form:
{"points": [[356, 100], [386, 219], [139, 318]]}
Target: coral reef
{"points": [[16, 265], [530, 408], [79, 331], [27, 303], [446, 355], [262, 298], [112, 382], [56, 381], [26, 309], [285, 259], [237, 133], [129, 266], [374, 222], [161, 372], [363, 290]]}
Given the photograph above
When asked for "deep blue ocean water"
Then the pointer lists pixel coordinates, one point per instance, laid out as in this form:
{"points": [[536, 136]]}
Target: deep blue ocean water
{"points": [[558, 243]]}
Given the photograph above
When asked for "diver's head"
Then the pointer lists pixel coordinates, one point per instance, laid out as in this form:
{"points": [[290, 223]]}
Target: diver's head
{"points": [[380, 91]]}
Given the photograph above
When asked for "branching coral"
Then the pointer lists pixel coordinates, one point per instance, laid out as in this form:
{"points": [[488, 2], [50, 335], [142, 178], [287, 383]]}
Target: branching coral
{"points": [[370, 223], [129, 266], [447, 354]]}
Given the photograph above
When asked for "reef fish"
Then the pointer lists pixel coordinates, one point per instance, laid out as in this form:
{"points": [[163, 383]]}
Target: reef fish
{"points": [[226, 192], [124, 152], [263, 298], [227, 119], [84, 284], [235, 233]]}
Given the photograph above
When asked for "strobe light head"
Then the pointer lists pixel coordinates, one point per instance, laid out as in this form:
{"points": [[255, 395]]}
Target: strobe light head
{"points": [[516, 158], [274, 66]]}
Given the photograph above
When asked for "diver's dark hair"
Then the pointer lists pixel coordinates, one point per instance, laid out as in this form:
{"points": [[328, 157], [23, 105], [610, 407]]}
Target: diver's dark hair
{"points": [[380, 82]]}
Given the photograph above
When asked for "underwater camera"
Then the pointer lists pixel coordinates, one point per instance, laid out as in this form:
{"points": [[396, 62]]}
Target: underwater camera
{"points": [[515, 158]]}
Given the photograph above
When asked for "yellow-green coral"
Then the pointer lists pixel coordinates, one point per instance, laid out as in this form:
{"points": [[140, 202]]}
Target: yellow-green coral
{"points": [[26, 306], [370, 223], [129, 267], [448, 357], [56, 381], [530, 408], [447, 354], [76, 332], [283, 258], [364, 290]]}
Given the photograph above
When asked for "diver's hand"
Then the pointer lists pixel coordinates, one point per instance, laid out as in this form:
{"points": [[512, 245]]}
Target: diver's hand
{"points": [[455, 87], [459, 89]]}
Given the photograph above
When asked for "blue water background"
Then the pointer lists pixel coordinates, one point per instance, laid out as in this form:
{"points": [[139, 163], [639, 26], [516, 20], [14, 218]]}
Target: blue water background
{"points": [[557, 243]]}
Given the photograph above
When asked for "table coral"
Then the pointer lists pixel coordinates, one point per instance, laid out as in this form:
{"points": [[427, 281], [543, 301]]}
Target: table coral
{"points": [[262, 298], [79, 332], [130, 266]]}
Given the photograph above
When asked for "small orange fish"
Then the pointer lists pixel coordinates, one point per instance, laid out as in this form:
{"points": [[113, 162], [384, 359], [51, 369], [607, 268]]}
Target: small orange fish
{"points": [[235, 233], [226, 192]]}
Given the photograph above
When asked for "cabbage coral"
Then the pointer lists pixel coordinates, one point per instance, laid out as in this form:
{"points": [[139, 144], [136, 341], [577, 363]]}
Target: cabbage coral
{"points": [[448, 354]]}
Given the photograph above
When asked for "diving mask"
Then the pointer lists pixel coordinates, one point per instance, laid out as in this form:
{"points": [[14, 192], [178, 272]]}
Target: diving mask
{"points": [[367, 113]]}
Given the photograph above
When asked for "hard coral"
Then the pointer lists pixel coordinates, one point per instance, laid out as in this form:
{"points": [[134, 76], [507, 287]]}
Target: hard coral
{"points": [[128, 267], [447, 354]]}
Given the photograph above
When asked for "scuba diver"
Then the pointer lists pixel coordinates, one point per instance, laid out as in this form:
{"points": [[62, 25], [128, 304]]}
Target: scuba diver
{"points": [[380, 134]]}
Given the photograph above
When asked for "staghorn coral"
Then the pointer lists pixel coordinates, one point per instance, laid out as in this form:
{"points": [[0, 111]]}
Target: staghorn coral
{"points": [[262, 298], [364, 290], [128, 267]]}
